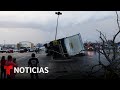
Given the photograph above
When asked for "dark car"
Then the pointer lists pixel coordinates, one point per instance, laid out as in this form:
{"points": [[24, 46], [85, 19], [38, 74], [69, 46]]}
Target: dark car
{"points": [[21, 51], [9, 51]]}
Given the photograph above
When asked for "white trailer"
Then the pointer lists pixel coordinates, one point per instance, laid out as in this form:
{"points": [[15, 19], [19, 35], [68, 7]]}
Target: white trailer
{"points": [[74, 45]]}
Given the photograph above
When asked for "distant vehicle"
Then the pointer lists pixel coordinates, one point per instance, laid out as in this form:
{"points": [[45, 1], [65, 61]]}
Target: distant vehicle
{"points": [[9, 51], [16, 50], [21, 50], [42, 48], [90, 48], [31, 50], [1, 50]]}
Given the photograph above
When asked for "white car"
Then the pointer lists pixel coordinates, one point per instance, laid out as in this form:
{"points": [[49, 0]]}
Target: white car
{"points": [[42, 48], [16, 50], [31, 50]]}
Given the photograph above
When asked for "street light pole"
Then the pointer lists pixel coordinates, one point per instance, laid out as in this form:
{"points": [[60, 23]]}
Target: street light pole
{"points": [[58, 13]]}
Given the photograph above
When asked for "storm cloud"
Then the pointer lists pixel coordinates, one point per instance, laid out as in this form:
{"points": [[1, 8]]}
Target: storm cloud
{"points": [[39, 26]]}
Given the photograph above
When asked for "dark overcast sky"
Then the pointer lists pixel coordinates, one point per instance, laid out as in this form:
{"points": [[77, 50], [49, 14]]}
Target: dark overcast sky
{"points": [[39, 26]]}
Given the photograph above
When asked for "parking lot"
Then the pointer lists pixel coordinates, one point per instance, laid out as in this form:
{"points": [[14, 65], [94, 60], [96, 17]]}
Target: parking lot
{"points": [[74, 67]]}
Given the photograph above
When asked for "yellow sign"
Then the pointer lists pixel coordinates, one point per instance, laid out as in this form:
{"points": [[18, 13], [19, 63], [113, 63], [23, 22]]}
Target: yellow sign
{"points": [[55, 42]]}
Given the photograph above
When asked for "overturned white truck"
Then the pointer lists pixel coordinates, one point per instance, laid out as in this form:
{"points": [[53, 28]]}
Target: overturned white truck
{"points": [[65, 47]]}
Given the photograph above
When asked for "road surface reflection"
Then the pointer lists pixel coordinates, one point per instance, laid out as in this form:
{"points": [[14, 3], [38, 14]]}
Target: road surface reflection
{"points": [[90, 53]]}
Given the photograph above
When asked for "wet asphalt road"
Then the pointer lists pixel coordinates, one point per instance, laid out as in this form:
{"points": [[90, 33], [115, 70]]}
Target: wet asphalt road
{"points": [[72, 68]]}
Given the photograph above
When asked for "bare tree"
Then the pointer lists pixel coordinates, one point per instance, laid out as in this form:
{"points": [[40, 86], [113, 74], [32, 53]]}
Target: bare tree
{"points": [[113, 68]]}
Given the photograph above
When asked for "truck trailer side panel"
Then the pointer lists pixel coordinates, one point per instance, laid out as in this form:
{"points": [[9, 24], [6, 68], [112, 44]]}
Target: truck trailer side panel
{"points": [[74, 45]]}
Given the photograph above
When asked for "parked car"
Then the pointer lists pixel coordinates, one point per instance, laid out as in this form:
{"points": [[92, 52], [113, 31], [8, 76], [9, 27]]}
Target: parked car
{"points": [[16, 50], [21, 51], [9, 51], [31, 50]]}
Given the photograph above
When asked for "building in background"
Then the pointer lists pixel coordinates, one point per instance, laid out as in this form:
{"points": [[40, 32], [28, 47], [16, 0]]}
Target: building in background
{"points": [[25, 44], [8, 46]]}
